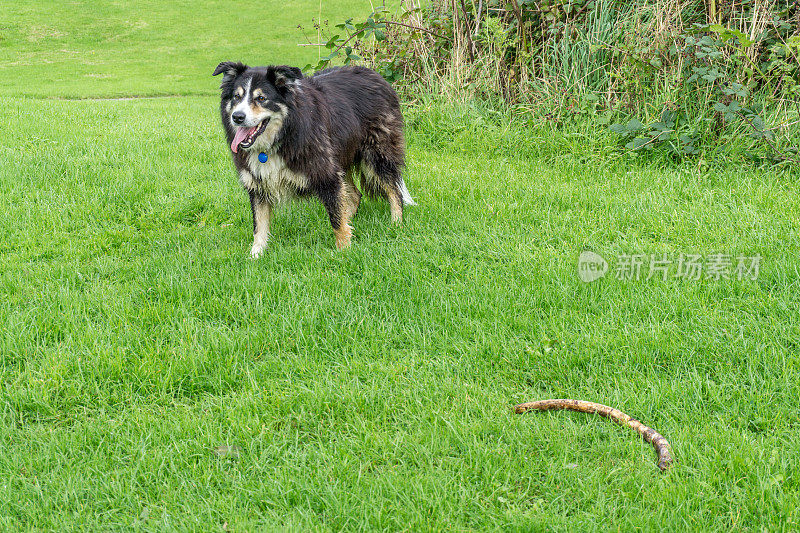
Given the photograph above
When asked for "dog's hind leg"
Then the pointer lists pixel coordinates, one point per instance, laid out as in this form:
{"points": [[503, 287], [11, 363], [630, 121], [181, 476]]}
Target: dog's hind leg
{"points": [[382, 175], [341, 199], [353, 192], [395, 204]]}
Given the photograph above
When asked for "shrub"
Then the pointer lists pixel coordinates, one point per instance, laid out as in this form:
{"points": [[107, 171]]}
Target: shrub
{"points": [[683, 77]]}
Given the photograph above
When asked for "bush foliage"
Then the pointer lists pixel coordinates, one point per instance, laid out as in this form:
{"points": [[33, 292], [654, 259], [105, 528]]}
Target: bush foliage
{"points": [[680, 77]]}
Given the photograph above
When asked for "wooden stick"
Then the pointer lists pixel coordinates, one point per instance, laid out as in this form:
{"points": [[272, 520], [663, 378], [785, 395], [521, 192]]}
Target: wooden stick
{"points": [[648, 434]]}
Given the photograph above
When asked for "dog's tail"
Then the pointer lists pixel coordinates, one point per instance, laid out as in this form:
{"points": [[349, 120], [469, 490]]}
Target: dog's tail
{"points": [[407, 200]]}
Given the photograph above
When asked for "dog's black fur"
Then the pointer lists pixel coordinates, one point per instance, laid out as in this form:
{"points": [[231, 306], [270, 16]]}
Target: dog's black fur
{"points": [[317, 132]]}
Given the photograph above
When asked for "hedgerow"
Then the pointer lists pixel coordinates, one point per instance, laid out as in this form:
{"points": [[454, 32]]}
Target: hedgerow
{"points": [[684, 78]]}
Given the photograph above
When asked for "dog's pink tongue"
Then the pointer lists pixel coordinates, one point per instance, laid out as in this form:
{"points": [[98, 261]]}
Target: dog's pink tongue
{"points": [[240, 135]]}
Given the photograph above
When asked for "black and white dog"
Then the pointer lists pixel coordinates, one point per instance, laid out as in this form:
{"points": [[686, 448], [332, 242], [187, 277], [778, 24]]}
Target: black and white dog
{"points": [[294, 136]]}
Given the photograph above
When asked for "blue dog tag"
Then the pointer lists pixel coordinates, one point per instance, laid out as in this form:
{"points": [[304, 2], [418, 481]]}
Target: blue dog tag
{"points": [[262, 157]]}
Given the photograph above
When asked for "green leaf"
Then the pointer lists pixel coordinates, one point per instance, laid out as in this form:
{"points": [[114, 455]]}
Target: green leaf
{"points": [[633, 125], [744, 40], [618, 128]]}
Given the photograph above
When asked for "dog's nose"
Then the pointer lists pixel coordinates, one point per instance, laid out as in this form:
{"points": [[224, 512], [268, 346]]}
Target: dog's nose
{"points": [[238, 117]]}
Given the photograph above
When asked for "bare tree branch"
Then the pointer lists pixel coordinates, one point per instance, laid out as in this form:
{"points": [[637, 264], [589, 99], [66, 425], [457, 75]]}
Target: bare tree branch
{"points": [[648, 434]]}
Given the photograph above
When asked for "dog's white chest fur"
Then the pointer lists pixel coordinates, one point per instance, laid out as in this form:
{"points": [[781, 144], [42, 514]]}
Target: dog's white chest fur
{"points": [[273, 179]]}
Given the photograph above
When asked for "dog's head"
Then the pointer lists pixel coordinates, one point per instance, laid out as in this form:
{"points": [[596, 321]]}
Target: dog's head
{"points": [[255, 102]]}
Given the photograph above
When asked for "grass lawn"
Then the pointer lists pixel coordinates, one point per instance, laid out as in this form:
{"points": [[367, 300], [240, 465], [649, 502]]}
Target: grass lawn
{"points": [[153, 377]]}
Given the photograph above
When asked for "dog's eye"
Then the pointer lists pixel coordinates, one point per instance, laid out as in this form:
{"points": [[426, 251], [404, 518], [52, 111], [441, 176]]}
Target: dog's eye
{"points": [[261, 99]]}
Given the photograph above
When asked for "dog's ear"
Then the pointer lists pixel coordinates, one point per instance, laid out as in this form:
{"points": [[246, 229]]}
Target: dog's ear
{"points": [[282, 75], [231, 69]]}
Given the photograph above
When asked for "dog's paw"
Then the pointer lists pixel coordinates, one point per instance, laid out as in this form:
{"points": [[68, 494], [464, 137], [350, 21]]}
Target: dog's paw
{"points": [[257, 250]]}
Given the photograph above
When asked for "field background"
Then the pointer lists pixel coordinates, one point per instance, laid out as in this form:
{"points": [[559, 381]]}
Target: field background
{"points": [[153, 377]]}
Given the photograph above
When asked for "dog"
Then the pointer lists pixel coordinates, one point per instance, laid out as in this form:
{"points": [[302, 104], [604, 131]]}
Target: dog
{"points": [[309, 136]]}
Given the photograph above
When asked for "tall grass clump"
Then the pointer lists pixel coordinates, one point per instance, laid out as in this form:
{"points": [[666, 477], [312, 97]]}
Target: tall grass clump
{"points": [[687, 78]]}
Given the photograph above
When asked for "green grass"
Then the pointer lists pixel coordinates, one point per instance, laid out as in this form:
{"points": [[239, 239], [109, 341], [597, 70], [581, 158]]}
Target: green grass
{"points": [[371, 389], [83, 48]]}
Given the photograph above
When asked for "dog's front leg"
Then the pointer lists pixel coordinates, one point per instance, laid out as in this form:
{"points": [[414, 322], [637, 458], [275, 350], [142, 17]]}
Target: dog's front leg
{"points": [[262, 214]]}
